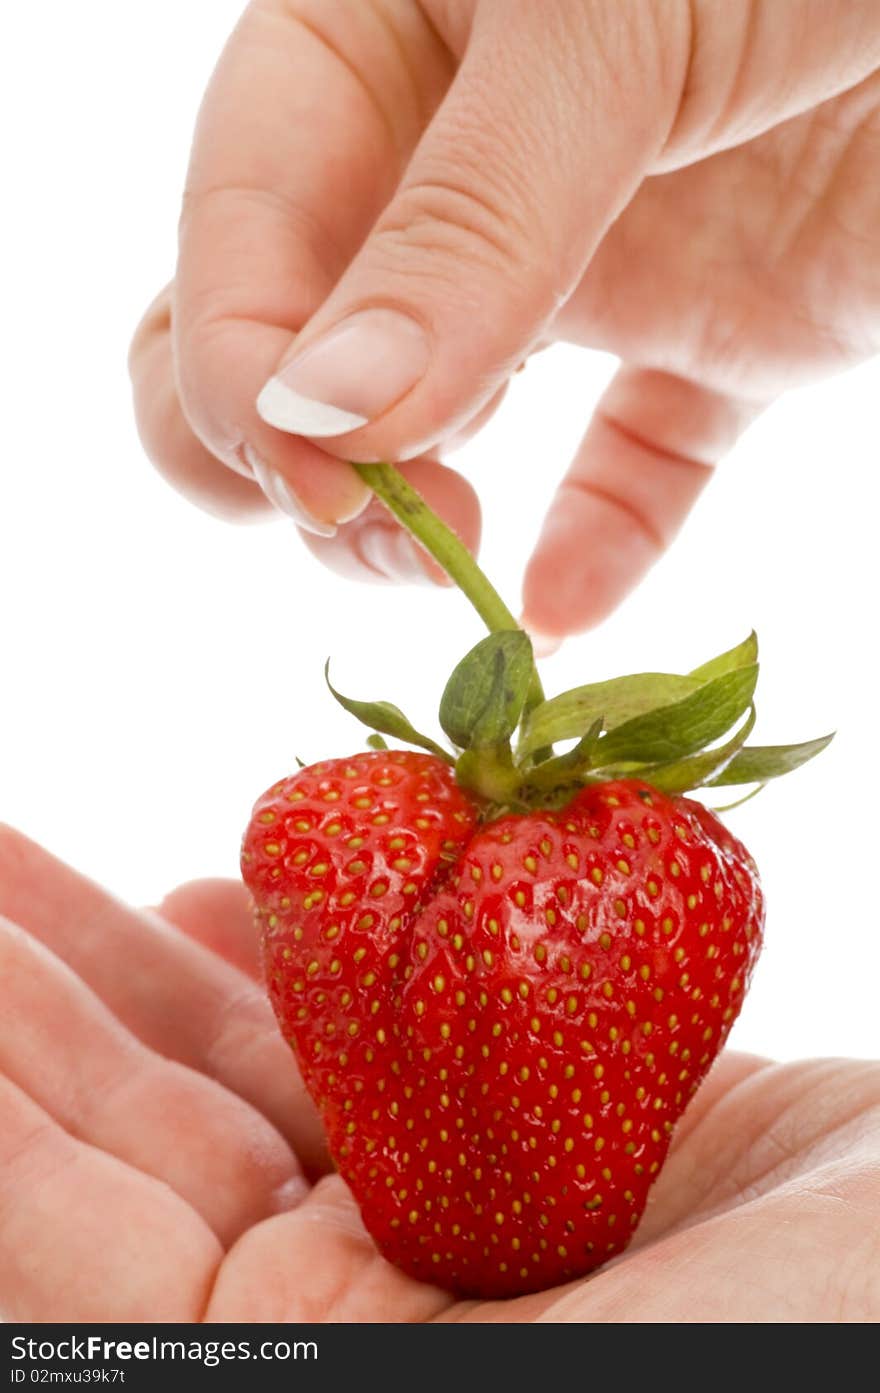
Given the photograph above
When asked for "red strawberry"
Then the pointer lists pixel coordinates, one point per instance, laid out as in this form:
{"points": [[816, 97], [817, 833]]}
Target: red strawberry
{"points": [[502, 1023], [502, 996], [504, 971]]}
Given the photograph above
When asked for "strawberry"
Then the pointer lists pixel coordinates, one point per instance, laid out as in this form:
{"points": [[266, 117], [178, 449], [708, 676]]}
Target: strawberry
{"points": [[505, 973]]}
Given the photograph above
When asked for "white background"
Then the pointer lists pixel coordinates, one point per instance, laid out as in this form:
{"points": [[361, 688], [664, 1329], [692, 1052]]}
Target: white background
{"points": [[159, 668]]}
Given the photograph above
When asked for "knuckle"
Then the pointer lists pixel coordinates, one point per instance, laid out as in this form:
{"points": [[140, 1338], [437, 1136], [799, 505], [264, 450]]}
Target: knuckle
{"points": [[440, 215], [224, 209], [453, 231]]}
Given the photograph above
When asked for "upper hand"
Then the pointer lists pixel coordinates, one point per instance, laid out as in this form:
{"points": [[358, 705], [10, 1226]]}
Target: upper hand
{"points": [[492, 175], [158, 1155]]}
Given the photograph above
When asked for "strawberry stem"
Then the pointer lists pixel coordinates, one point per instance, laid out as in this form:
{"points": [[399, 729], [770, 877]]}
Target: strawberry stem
{"points": [[413, 513]]}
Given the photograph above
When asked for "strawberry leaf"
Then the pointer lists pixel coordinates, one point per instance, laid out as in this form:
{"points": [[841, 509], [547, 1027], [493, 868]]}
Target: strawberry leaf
{"points": [[571, 713], [485, 696], [743, 655], [762, 762], [623, 698], [684, 727], [571, 767], [738, 802], [695, 770], [389, 719]]}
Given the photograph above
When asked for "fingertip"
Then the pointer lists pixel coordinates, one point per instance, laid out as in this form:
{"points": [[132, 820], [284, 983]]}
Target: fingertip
{"points": [[583, 567], [543, 645], [392, 554], [318, 492], [218, 914], [374, 547]]}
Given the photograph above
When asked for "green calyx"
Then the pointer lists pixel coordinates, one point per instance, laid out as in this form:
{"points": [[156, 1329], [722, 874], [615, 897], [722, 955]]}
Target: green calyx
{"points": [[677, 732]]}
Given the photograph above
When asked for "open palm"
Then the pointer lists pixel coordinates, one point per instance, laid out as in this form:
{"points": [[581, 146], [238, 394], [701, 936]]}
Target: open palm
{"points": [[159, 1160]]}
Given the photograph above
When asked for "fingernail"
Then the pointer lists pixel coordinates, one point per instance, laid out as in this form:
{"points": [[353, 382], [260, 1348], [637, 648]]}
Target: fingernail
{"points": [[348, 377], [543, 645], [392, 553], [282, 496]]}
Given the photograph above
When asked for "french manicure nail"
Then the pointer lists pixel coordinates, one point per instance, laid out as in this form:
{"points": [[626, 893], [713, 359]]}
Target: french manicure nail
{"points": [[281, 495], [392, 554], [347, 377]]}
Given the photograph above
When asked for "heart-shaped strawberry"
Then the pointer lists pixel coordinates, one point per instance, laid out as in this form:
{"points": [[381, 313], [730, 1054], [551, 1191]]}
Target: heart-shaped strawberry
{"points": [[505, 969], [500, 1021]]}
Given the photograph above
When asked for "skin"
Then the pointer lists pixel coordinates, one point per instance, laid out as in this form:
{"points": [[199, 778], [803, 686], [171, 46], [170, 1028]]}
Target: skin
{"points": [[157, 1143], [631, 178], [636, 179]]}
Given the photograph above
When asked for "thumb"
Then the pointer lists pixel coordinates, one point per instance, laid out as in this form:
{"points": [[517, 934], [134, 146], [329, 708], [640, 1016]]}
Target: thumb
{"points": [[555, 114]]}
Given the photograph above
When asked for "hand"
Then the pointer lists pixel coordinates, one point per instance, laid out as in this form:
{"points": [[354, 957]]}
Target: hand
{"points": [[459, 182], [156, 1141]]}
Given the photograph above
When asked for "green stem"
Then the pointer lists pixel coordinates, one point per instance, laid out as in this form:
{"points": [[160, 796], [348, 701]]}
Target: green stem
{"points": [[411, 510]]}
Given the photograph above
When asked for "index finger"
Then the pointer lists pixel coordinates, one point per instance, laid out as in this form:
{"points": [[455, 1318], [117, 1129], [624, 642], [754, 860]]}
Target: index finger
{"points": [[303, 133]]}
